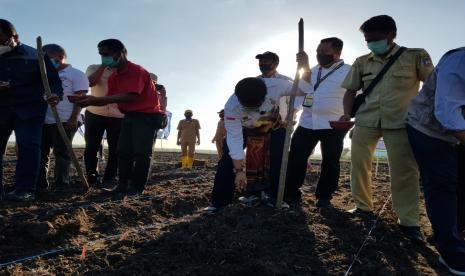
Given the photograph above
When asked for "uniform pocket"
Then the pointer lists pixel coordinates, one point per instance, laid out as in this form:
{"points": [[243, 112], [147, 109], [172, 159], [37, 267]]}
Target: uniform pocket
{"points": [[404, 78], [367, 80]]}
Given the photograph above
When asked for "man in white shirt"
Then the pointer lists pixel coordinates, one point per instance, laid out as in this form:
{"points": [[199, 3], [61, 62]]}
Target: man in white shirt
{"points": [[99, 120], [268, 63], [322, 105], [74, 82], [252, 111]]}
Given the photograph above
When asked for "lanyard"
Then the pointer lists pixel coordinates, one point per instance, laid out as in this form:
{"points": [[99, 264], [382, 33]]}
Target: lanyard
{"points": [[319, 79]]}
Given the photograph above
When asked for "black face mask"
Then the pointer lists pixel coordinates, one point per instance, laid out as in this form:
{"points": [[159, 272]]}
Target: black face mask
{"points": [[324, 59], [264, 68]]}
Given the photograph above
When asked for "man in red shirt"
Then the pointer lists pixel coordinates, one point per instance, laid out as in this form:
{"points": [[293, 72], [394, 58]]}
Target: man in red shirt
{"points": [[132, 89]]}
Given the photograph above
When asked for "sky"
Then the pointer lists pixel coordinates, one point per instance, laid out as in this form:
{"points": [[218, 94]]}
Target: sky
{"points": [[201, 48]]}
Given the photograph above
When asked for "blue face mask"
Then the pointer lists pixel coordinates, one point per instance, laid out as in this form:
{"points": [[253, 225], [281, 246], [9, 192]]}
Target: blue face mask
{"points": [[379, 47], [55, 63], [109, 61]]}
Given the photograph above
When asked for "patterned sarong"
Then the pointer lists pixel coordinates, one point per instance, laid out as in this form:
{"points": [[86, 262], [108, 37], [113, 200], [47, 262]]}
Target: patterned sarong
{"points": [[258, 162]]}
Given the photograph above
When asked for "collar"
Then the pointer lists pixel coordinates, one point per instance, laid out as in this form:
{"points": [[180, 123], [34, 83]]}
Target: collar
{"points": [[67, 68], [388, 56], [18, 50], [332, 66], [274, 76], [125, 68]]}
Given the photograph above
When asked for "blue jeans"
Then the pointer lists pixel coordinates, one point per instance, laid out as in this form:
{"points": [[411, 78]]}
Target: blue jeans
{"points": [[438, 164], [51, 139], [28, 132]]}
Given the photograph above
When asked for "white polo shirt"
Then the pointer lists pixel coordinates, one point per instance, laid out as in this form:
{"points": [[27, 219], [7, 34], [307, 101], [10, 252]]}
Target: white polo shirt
{"points": [[327, 99], [284, 101], [236, 116], [72, 81], [100, 90]]}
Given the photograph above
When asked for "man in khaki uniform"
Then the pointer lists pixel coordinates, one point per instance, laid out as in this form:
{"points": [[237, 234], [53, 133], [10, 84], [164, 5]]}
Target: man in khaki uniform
{"points": [[220, 134], [188, 133], [383, 115]]}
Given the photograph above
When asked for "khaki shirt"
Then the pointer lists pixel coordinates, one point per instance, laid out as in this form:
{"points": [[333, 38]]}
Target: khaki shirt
{"points": [[188, 130], [386, 106], [100, 90]]}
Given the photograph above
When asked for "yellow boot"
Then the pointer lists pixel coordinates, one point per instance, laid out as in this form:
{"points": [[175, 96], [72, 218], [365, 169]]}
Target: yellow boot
{"points": [[184, 162], [190, 162]]}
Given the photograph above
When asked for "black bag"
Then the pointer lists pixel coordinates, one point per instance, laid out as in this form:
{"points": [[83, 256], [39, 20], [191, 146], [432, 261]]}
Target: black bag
{"points": [[360, 98]]}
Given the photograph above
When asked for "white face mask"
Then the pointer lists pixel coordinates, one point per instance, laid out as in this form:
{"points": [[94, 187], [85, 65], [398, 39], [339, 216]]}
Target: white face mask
{"points": [[5, 49]]}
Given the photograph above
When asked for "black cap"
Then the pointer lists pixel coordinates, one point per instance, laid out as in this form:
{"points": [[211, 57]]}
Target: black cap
{"points": [[221, 111], [268, 55]]}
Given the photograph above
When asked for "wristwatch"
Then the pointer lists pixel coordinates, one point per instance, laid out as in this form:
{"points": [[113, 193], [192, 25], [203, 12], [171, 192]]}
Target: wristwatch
{"points": [[239, 170]]}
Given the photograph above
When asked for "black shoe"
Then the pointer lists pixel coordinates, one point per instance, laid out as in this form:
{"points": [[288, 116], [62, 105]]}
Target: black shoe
{"points": [[20, 196], [108, 181], [455, 267], [359, 212], [135, 189], [117, 189], [41, 192], [412, 233], [323, 202], [59, 186], [293, 199], [92, 180]]}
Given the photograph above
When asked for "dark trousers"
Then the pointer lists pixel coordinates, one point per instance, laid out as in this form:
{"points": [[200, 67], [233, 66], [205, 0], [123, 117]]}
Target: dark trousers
{"points": [[135, 147], [224, 186], [302, 144], [461, 189], [51, 139], [28, 133], [96, 125], [438, 164]]}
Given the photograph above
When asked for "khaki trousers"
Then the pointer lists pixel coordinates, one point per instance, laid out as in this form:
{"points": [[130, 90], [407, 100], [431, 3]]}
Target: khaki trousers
{"points": [[405, 188], [188, 148]]}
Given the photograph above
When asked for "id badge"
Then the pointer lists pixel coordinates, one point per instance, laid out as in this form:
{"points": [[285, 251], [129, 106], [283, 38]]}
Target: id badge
{"points": [[308, 101]]}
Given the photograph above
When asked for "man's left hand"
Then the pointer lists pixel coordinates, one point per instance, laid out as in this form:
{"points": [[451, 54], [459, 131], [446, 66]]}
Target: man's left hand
{"points": [[302, 60], [53, 100], [90, 101], [198, 142]]}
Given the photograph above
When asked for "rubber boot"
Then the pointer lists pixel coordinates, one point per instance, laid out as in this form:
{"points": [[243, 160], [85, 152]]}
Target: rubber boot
{"points": [[184, 162], [190, 162]]}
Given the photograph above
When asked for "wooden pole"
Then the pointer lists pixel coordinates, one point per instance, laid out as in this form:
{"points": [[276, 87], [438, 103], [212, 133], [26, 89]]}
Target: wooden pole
{"points": [[61, 130], [289, 124]]}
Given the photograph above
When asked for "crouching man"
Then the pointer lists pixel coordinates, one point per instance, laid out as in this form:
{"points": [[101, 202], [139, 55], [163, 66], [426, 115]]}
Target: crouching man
{"points": [[252, 120]]}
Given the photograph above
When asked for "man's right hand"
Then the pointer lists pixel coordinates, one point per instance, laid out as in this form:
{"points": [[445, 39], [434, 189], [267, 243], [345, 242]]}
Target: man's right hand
{"points": [[241, 181], [4, 85], [344, 118], [178, 143]]}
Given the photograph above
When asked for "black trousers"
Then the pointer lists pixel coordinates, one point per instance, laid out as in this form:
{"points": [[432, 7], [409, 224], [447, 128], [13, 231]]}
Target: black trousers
{"points": [[224, 186], [438, 164], [461, 189], [302, 144], [96, 125], [135, 147]]}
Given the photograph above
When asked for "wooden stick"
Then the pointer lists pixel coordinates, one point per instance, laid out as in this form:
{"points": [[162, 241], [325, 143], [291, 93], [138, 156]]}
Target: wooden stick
{"points": [[61, 130], [289, 122]]}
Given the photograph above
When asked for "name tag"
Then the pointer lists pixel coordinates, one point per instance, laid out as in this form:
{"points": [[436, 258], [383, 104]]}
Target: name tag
{"points": [[308, 101]]}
